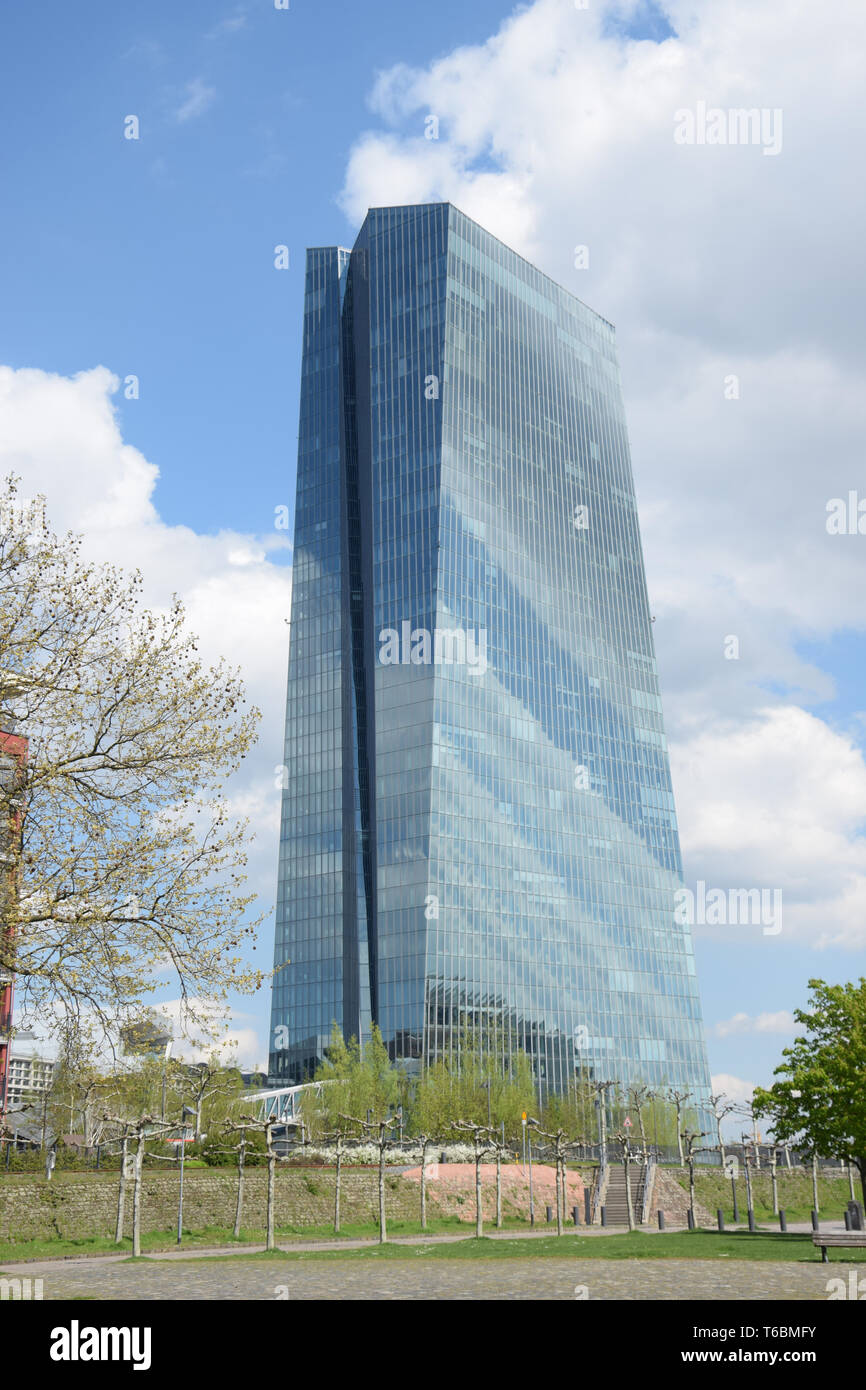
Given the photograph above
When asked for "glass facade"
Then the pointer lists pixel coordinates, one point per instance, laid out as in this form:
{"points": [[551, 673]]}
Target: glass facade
{"points": [[478, 828]]}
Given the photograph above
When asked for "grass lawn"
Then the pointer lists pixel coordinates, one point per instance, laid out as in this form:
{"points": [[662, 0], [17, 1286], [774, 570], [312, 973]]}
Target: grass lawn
{"points": [[220, 1235], [690, 1245], [680, 1245], [713, 1190]]}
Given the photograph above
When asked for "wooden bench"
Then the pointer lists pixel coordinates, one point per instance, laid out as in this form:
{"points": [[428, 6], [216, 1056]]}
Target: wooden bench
{"points": [[852, 1239]]}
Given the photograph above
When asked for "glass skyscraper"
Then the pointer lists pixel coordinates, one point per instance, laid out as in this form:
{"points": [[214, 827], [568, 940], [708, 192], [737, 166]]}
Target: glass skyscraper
{"points": [[478, 829]]}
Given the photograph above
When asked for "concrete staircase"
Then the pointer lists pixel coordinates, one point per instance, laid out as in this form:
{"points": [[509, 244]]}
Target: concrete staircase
{"points": [[616, 1208]]}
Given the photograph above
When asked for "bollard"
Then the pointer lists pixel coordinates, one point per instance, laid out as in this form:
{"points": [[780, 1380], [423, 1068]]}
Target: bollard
{"points": [[720, 1216], [661, 1217], [847, 1220], [604, 1216], [751, 1219], [815, 1225], [691, 1219], [575, 1215], [587, 1206], [548, 1214], [783, 1221]]}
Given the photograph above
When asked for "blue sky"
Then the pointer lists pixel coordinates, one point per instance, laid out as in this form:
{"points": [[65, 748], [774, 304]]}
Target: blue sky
{"points": [[259, 127], [155, 257]]}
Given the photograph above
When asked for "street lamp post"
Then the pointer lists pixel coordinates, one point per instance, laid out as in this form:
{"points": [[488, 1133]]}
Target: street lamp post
{"points": [[531, 1203]]}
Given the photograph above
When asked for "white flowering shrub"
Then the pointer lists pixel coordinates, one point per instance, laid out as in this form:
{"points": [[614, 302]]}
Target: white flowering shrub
{"points": [[406, 1157]]}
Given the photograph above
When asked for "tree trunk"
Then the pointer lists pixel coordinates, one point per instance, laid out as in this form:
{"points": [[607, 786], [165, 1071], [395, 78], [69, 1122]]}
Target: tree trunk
{"points": [[272, 1166], [560, 1199], [423, 1187], [499, 1189], [337, 1187], [815, 1182], [382, 1231], [479, 1219], [136, 1197], [747, 1171], [628, 1203], [239, 1205], [121, 1193]]}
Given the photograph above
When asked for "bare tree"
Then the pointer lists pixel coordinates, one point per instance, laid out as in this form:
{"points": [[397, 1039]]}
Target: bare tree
{"points": [[691, 1137], [380, 1132], [121, 1187], [426, 1143], [641, 1096], [559, 1143], [722, 1107], [140, 1131], [338, 1137], [241, 1149], [774, 1159], [481, 1142], [679, 1099], [745, 1141], [625, 1143], [601, 1089], [201, 1081], [267, 1127]]}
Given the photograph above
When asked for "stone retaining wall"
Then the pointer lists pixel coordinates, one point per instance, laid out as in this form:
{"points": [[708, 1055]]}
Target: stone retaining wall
{"points": [[73, 1208], [669, 1197]]}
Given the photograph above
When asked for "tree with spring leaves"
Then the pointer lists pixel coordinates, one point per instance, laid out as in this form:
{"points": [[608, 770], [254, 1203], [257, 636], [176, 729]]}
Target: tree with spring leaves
{"points": [[819, 1100], [131, 861]]}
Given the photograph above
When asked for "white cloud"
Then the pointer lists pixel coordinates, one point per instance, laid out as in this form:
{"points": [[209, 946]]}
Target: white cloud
{"points": [[54, 430], [713, 262], [198, 97], [236, 1045], [779, 801], [781, 1022], [734, 1088]]}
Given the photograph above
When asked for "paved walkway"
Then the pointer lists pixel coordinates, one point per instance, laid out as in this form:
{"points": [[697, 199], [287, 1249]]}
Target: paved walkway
{"points": [[416, 1279], [188, 1274]]}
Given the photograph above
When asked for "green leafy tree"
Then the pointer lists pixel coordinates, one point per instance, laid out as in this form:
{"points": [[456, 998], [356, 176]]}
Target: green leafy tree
{"points": [[360, 1079], [132, 863], [819, 1099], [468, 1084]]}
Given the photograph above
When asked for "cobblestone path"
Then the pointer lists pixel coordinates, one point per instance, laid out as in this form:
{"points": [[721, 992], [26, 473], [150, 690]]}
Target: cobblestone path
{"points": [[414, 1278]]}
